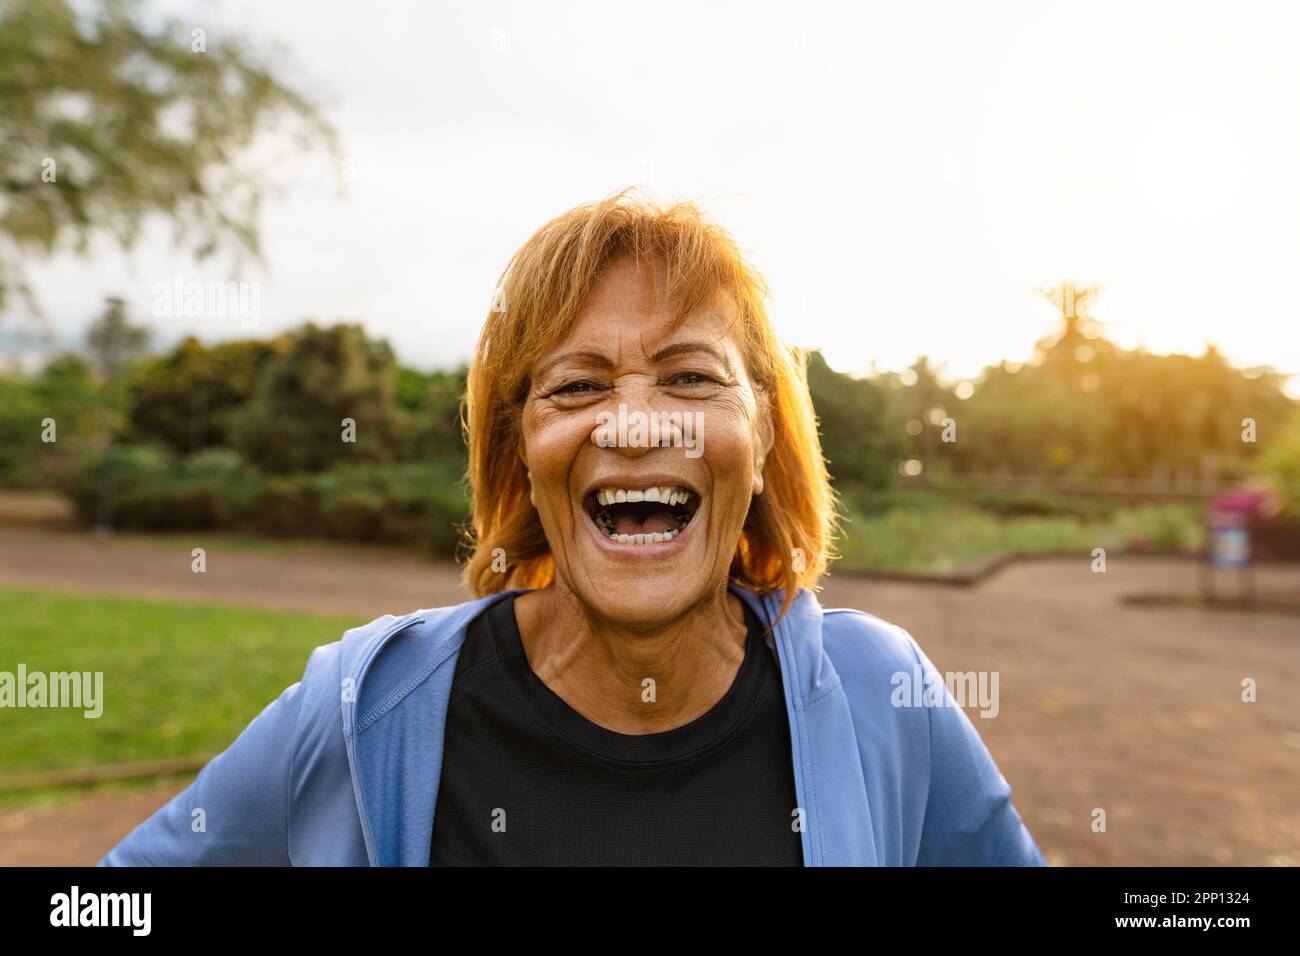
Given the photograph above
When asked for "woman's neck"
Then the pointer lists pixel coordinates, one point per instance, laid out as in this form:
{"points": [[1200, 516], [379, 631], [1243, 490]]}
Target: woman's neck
{"points": [[633, 680]]}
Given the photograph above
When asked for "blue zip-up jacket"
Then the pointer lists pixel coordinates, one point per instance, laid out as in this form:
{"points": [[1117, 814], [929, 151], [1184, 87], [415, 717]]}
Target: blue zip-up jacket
{"points": [[342, 769]]}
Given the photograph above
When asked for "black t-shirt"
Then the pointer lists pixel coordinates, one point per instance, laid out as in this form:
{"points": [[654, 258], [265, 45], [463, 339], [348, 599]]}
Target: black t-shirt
{"points": [[527, 780]]}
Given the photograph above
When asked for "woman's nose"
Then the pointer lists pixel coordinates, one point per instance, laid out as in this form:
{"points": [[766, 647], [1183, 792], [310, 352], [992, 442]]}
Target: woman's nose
{"points": [[634, 423]]}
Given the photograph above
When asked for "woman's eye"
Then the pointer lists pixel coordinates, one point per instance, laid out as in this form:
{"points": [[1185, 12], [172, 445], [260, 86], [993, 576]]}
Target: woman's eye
{"points": [[575, 388], [696, 378]]}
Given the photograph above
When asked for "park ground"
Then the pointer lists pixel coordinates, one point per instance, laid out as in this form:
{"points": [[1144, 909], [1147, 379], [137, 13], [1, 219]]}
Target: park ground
{"points": [[1136, 710]]}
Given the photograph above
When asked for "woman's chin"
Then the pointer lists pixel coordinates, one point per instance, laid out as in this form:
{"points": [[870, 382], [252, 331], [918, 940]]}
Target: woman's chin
{"points": [[643, 581]]}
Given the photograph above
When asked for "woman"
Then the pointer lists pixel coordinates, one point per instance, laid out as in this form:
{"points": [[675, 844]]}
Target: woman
{"points": [[645, 675]]}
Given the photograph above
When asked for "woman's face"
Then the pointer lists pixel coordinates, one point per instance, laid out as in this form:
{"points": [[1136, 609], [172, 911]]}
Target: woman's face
{"points": [[643, 562]]}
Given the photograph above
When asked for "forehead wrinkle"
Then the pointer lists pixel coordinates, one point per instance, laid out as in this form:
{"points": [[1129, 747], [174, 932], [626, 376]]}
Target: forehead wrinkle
{"points": [[589, 354], [715, 344], [710, 341]]}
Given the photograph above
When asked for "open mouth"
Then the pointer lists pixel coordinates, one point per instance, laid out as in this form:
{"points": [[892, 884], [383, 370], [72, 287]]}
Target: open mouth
{"points": [[641, 515]]}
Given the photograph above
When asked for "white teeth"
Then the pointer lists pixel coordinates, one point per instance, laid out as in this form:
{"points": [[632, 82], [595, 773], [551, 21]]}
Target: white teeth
{"points": [[666, 494], [658, 537]]}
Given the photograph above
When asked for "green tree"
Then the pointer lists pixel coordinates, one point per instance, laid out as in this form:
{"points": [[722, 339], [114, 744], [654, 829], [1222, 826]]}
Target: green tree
{"points": [[113, 344], [918, 405], [64, 394], [21, 448], [1087, 408], [1280, 464], [430, 403], [859, 438], [183, 400], [105, 121], [295, 419]]}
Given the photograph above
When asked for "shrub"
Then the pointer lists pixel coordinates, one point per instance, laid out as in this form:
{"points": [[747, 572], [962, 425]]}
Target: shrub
{"points": [[216, 489], [400, 503], [110, 473], [147, 490], [287, 505]]}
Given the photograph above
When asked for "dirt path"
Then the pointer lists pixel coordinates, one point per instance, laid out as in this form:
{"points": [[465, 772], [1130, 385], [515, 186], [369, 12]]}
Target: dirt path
{"points": [[329, 579], [77, 832], [1136, 711]]}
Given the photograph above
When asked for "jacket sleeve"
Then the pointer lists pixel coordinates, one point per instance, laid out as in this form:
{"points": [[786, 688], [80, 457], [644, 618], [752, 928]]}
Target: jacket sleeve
{"points": [[969, 817], [235, 813]]}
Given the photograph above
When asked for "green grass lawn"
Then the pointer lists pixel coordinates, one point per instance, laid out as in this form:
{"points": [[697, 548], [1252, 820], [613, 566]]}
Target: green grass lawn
{"points": [[179, 679], [944, 538]]}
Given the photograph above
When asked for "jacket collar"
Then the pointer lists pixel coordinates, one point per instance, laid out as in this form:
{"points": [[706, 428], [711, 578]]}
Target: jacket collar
{"points": [[829, 781], [395, 769]]}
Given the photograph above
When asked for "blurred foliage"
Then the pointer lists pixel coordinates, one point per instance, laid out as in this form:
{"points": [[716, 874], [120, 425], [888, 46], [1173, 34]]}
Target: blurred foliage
{"points": [[293, 420], [413, 503], [941, 538], [65, 391], [105, 121], [1086, 408], [431, 407], [113, 343], [182, 400], [1281, 467], [248, 436], [859, 437]]}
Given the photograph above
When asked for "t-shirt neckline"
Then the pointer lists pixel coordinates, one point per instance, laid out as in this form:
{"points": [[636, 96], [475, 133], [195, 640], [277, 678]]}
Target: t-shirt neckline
{"points": [[694, 738]]}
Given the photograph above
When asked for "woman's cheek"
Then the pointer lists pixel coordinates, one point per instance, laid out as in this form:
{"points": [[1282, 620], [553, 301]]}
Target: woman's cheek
{"points": [[554, 436]]}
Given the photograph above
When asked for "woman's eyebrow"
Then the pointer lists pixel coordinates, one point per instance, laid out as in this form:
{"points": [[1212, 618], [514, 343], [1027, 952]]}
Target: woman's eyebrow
{"points": [[595, 358], [678, 348], [602, 361]]}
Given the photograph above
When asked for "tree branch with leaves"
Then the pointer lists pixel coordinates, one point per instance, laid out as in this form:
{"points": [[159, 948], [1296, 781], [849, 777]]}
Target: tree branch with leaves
{"points": [[106, 121]]}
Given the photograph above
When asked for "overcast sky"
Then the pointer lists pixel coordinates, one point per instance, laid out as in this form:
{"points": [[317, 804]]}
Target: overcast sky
{"points": [[905, 174]]}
